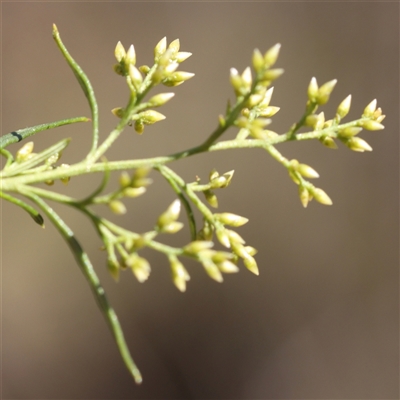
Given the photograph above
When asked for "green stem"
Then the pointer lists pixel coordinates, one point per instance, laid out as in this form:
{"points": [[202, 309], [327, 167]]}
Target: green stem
{"points": [[20, 134], [85, 85], [88, 271]]}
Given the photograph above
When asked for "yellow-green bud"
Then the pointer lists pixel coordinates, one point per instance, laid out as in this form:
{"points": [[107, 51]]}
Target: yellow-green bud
{"points": [[124, 179], [307, 171], [234, 237], [257, 60], [344, 107], [130, 57], [160, 48], [227, 267], [170, 215], [358, 144], [231, 219], [223, 237], [312, 90], [372, 125], [160, 99], [349, 132], [251, 265], [272, 74], [150, 117], [212, 270], [328, 142], [179, 273], [113, 268], [134, 192], [177, 78], [247, 78], [119, 52], [267, 98], [254, 99], [24, 152], [117, 207], [211, 198], [251, 250], [370, 109], [182, 56], [304, 196], [118, 112], [235, 79], [139, 126], [321, 197], [311, 120], [269, 111], [139, 266], [53, 159], [174, 47], [135, 75], [144, 69], [320, 121], [197, 245], [172, 227], [271, 55], [325, 91]]}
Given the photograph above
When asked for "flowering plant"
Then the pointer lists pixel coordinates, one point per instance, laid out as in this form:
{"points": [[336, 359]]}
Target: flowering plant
{"points": [[250, 113]]}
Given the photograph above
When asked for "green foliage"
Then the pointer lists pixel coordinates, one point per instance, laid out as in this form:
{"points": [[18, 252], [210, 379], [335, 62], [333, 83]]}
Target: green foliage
{"points": [[250, 112]]}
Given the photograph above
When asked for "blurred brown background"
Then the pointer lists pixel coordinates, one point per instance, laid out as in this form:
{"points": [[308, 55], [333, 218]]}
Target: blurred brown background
{"points": [[321, 320]]}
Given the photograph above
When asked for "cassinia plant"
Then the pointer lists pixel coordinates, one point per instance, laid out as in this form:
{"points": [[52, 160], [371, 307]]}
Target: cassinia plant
{"points": [[250, 113]]}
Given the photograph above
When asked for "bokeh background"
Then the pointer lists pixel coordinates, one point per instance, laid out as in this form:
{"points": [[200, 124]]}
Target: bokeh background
{"points": [[321, 320]]}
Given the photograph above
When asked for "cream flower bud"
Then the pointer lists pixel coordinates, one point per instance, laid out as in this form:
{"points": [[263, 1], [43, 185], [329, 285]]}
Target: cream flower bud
{"points": [[269, 111], [177, 78], [124, 179], [258, 60], [24, 152], [227, 267], [160, 99], [223, 237], [251, 265], [211, 198], [350, 131], [321, 197], [130, 57], [150, 117], [272, 74], [117, 207], [212, 270], [271, 55], [312, 90], [247, 78], [358, 144], [179, 274], [370, 109], [160, 48], [344, 107], [325, 91], [119, 52], [182, 56], [134, 192], [135, 76], [372, 125], [267, 98], [139, 266], [170, 215], [307, 171], [304, 196], [198, 245], [231, 219], [327, 141]]}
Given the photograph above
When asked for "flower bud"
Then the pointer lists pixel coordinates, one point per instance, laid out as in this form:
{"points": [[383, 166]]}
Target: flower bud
{"points": [[179, 273], [160, 48], [231, 219], [139, 126], [269, 111], [251, 265], [182, 56], [211, 198], [134, 192], [267, 98], [177, 78], [135, 75], [119, 52], [307, 171], [150, 117], [117, 207], [118, 112], [370, 109], [223, 237], [349, 132], [124, 179], [251, 250], [170, 215], [139, 266], [372, 125], [321, 197], [174, 47], [234, 237], [172, 227], [328, 142], [312, 90], [247, 78], [257, 60], [160, 99], [344, 107], [304, 196], [113, 268], [130, 58], [325, 91], [24, 152], [197, 245], [227, 267], [358, 144], [271, 55], [272, 74], [212, 270], [65, 179]]}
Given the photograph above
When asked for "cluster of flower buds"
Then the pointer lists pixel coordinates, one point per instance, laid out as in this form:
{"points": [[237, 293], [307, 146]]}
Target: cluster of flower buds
{"points": [[167, 61], [243, 84], [216, 181], [130, 186], [167, 221]]}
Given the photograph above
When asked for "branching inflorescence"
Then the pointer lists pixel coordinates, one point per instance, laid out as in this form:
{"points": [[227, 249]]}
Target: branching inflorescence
{"points": [[251, 112]]}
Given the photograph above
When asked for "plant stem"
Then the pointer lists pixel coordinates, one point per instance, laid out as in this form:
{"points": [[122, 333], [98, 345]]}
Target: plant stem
{"points": [[93, 280]]}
